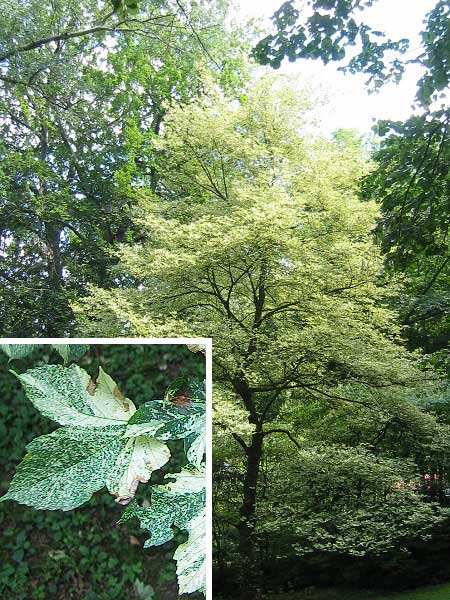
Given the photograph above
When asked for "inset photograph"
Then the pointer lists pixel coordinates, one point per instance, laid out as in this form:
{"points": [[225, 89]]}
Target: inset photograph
{"points": [[103, 462]]}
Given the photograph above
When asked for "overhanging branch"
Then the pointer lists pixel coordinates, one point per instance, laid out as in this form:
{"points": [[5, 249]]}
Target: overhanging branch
{"points": [[62, 37]]}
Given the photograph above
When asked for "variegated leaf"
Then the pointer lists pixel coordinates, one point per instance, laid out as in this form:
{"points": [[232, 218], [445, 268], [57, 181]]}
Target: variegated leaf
{"points": [[180, 503], [164, 420], [69, 396], [107, 400], [64, 468], [17, 351], [71, 352], [195, 444], [191, 556], [136, 463], [171, 504]]}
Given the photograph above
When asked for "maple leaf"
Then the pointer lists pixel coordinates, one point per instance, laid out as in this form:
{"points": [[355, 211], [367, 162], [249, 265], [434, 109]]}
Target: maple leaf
{"points": [[135, 464], [17, 351], [64, 468], [105, 441], [165, 420], [190, 557], [70, 352]]}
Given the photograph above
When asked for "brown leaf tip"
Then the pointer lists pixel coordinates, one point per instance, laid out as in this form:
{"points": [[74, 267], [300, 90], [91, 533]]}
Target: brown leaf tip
{"points": [[91, 386]]}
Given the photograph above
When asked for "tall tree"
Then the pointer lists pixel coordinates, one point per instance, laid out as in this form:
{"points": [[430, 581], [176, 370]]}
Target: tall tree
{"points": [[268, 250], [78, 113]]}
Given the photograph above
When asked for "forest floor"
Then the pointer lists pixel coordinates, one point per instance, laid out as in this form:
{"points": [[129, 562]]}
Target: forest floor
{"points": [[438, 592]]}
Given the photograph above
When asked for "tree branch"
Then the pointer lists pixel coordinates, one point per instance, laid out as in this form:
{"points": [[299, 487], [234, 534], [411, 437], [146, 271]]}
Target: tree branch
{"points": [[286, 432], [240, 441], [77, 34]]}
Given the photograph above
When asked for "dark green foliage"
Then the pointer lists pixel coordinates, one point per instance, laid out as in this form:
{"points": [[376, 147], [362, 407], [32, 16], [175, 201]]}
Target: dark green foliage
{"points": [[84, 112], [436, 54], [412, 184], [84, 554], [439, 592], [357, 485], [330, 28]]}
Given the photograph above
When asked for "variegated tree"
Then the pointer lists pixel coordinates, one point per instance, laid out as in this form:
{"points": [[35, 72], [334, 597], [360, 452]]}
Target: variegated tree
{"points": [[256, 237]]}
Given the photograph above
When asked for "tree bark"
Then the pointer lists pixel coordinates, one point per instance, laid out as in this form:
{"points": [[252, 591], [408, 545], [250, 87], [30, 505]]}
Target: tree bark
{"points": [[250, 580]]}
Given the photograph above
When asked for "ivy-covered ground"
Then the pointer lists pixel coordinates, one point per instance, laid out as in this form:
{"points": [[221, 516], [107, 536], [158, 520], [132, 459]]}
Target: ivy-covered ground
{"points": [[439, 592], [83, 554]]}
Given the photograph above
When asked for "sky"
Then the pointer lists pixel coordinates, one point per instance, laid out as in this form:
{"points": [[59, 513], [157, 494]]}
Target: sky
{"points": [[349, 104]]}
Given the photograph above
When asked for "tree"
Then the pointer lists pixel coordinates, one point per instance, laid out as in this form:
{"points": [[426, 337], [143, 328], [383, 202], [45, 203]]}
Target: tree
{"points": [[255, 236], [410, 180], [77, 118], [85, 21], [411, 184]]}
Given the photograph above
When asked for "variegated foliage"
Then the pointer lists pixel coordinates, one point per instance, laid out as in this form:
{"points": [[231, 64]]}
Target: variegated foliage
{"points": [[104, 440]]}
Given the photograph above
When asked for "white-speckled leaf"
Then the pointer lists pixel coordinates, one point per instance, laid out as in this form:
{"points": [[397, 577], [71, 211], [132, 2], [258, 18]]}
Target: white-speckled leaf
{"points": [[68, 395], [175, 503], [191, 556], [165, 420], [180, 503], [194, 389], [136, 463], [195, 444], [17, 351], [71, 352], [63, 469], [188, 481]]}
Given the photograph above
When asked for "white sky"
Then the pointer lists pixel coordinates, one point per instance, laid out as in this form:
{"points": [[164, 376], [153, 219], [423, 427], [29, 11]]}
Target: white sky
{"points": [[349, 103]]}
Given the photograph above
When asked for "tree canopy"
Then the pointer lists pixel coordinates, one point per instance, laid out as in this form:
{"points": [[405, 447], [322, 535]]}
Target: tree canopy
{"points": [[78, 115], [152, 183], [332, 30], [268, 250]]}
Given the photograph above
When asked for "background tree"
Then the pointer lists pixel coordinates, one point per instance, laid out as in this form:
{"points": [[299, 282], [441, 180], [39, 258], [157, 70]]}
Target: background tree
{"points": [[268, 250], [411, 177], [76, 135], [411, 184]]}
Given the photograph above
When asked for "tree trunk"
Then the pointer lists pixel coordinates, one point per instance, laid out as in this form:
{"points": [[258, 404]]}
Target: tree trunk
{"points": [[58, 317], [250, 580]]}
